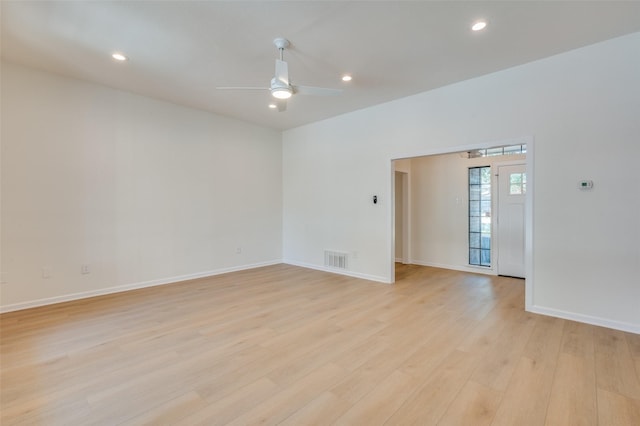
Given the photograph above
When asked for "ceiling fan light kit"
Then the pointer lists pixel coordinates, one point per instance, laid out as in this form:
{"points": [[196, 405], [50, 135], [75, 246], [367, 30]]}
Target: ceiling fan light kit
{"points": [[280, 90], [284, 93]]}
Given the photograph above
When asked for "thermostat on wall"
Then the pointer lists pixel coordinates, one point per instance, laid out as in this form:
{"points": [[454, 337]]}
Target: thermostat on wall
{"points": [[585, 184]]}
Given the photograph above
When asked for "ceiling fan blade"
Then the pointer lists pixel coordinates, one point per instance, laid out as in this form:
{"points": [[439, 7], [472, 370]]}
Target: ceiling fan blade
{"points": [[282, 105], [241, 88], [282, 71], [316, 91]]}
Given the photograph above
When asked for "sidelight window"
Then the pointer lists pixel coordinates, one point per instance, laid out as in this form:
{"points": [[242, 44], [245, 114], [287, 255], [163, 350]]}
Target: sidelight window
{"points": [[480, 216]]}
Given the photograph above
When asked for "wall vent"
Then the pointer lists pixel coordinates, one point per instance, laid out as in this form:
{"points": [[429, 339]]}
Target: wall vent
{"points": [[335, 259]]}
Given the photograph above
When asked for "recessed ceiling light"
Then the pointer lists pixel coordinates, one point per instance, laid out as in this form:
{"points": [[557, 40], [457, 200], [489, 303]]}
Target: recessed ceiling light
{"points": [[273, 106], [346, 77], [479, 25], [119, 57]]}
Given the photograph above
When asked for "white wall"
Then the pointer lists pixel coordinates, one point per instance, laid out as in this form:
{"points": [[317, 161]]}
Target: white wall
{"points": [[582, 109], [440, 203], [142, 191]]}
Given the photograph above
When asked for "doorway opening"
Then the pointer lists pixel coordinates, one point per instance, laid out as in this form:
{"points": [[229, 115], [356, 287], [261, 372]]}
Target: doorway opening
{"points": [[430, 213]]}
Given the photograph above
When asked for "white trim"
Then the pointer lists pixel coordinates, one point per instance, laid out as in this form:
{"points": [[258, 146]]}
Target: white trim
{"points": [[368, 277], [391, 214], [463, 268], [528, 226], [588, 319], [128, 287]]}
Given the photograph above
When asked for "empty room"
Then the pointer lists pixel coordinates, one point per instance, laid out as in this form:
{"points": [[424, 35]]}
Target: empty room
{"points": [[320, 212]]}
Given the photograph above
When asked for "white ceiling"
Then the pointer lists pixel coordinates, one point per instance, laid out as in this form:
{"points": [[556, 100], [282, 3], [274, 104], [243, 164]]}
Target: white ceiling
{"points": [[181, 50]]}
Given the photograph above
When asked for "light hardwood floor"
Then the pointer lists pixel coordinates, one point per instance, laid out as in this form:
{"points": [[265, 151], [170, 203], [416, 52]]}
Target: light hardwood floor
{"points": [[286, 345]]}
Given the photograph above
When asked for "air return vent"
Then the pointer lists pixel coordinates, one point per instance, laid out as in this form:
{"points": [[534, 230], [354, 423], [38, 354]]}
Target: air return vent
{"points": [[335, 259]]}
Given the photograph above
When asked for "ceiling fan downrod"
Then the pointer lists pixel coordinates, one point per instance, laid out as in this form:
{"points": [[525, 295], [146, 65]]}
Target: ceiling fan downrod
{"points": [[281, 44]]}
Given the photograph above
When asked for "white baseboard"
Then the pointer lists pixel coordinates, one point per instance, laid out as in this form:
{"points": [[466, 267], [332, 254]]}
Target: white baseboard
{"points": [[472, 269], [338, 271], [127, 287], [588, 319]]}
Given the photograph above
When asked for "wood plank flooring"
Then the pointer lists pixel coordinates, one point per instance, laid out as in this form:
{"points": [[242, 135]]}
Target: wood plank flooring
{"points": [[292, 346]]}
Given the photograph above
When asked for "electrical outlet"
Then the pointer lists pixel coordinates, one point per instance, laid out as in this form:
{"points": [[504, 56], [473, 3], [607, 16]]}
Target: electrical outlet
{"points": [[84, 269], [46, 273], [238, 250]]}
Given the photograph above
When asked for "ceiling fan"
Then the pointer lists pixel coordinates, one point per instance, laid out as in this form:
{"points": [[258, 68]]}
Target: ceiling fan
{"points": [[281, 88]]}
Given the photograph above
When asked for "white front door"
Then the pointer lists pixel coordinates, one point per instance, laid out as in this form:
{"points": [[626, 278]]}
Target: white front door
{"points": [[512, 187]]}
